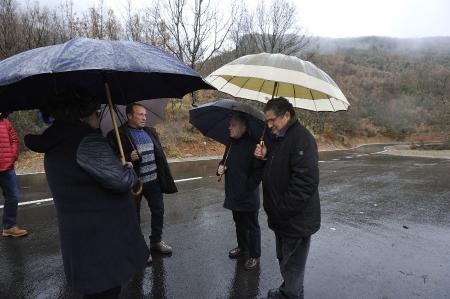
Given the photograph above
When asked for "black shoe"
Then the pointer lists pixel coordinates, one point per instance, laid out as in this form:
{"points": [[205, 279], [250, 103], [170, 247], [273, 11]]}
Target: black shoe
{"points": [[235, 252], [274, 293], [251, 263]]}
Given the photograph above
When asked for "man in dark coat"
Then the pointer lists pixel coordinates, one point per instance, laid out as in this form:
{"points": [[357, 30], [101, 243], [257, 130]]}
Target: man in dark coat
{"points": [[101, 242], [242, 177], [142, 147], [291, 196]]}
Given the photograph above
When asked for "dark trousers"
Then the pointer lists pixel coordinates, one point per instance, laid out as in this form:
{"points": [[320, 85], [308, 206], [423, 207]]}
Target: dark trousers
{"points": [[10, 188], [152, 193], [292, 254], [108, 294], [248, 232]]}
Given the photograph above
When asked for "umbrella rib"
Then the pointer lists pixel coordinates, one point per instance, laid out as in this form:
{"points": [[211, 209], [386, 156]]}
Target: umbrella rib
{"points": [[329, 99], [295, 98], [259, 90], [312, 97], [228, 81], [243, 85], [154, 113]]}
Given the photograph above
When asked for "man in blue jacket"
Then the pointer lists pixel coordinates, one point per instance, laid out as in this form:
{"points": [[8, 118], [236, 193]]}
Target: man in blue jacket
{"points": [[291, 196]]}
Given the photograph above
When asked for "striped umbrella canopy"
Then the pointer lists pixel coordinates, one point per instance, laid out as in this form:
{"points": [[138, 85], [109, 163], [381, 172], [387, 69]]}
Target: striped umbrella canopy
{"points": [[263, 76]]}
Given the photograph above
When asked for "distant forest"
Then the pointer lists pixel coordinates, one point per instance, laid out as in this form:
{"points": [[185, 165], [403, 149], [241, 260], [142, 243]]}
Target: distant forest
{"points": [[396, 87]]}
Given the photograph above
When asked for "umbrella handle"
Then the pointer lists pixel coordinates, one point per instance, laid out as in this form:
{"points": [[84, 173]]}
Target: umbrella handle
{"points": [[224, 163], [114, 122], [220, 178], [138, 191], [119, 142]]}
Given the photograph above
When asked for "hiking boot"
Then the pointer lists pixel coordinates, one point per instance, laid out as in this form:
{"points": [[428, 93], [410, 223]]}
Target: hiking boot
{"points": [[14, 232], [161, 247], [251, 263], [235, 252]]}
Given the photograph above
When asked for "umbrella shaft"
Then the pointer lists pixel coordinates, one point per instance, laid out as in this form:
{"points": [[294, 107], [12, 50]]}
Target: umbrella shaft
{"points": [[114, 122]]}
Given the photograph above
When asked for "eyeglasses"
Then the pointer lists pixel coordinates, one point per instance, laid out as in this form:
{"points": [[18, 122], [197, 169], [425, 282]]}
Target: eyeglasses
{"points": [[272, 120]]}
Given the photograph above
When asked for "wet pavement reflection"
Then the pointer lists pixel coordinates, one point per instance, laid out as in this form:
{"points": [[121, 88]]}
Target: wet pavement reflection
{"points": [[385, 234]]}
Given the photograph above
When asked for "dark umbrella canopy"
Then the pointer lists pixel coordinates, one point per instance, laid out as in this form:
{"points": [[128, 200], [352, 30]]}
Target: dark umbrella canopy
{"points": [[134, 71], [155, 114], [213, 119]]}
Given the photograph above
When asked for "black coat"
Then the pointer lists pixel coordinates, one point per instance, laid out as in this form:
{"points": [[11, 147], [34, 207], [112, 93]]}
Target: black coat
{"points": [[165, 178], [290, 183], [243, 176], [101, 242]]}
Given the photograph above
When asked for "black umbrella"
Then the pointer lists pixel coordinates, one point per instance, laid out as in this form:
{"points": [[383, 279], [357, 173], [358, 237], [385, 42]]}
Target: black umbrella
{"points": [[117, 72], [133, 71], [213, 119]]}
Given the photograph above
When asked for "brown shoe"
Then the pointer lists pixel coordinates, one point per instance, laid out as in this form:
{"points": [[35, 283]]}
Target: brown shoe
{"points": [[161, 247], [14, 232], [251, 263], [235, 252]]}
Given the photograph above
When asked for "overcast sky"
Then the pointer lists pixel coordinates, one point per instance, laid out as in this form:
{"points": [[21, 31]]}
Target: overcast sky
{"points": [[345, 18]]}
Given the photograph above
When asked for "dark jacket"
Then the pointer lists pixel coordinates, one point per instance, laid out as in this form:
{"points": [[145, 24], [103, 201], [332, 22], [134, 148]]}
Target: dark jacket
{"points": [[9, 145], [290, 183], [243, 176], [101, 242], [165, 178]]}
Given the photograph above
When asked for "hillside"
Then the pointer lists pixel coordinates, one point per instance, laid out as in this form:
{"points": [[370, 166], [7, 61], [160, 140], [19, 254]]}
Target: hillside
{"points": [[398, 88]]}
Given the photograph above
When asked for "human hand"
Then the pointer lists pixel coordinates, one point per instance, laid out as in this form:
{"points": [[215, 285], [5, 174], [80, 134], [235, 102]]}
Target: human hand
{"points": [[260, 151], [134, 155], [221, 170], [128, 164]]}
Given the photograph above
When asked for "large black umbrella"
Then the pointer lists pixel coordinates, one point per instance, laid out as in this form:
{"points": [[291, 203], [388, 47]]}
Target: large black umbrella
{"points": [[117, 72], [133, 71], [213, 119]]}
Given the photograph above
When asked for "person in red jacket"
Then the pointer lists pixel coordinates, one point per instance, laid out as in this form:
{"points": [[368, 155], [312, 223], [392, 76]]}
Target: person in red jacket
{"points": [[9, 152]]}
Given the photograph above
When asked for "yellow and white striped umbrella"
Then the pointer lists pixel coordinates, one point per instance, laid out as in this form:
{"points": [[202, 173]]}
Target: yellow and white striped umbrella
{"points": [[262, 76]]}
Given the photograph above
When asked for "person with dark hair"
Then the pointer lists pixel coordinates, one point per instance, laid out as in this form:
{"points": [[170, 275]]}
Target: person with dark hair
{"points": [[142, 147], [9, 153], [242, 178], [101, 242], [291, 195]]}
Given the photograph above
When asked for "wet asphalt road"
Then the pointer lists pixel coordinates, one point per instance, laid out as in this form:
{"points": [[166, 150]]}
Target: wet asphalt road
{"points": [[385, 234]]}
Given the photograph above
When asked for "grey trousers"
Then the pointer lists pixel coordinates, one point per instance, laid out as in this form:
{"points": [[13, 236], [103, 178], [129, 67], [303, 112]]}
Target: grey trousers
{"points": [[292, 255]]}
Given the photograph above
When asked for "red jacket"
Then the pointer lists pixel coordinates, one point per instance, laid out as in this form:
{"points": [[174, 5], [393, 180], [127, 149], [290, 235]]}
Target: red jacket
{"points": [[9, 145]]}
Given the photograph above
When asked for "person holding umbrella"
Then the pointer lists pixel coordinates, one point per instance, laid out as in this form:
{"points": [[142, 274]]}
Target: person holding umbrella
{"points": [[142, 148], [291, 196], [101, 242], [242, 178]]}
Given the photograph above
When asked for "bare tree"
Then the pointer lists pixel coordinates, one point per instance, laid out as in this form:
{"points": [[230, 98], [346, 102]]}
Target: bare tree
{"points": [[277, 29], [9, 22], [113, 29], [242, 30], [36, 26], [194, 34]]}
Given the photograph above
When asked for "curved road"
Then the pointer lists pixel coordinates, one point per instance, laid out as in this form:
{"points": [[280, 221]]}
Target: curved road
{"points": [[385, 234]]}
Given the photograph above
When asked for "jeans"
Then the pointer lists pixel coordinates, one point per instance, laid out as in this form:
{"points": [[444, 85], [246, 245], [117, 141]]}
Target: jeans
{"points": [[292, 254], [152, 193], [8, 183], [248, 232]]}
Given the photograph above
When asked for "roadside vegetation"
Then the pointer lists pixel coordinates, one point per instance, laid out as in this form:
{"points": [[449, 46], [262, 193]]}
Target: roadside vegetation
{"points": [[399, 89]]}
